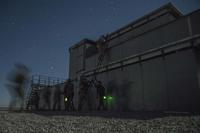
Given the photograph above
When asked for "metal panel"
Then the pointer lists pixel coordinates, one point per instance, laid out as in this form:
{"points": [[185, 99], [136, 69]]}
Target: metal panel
{"points": [[132, 83], [113, 88], [103, 77], [91, 62], [73, 66], [195, 21], [114, 54], [150, 40], [154, 85], [161, 21], [131, 47], [80, 57], [175, 31], [197, 57], [182, 82], [142, 29], [125, 86], [168, 33], [142, 43]]}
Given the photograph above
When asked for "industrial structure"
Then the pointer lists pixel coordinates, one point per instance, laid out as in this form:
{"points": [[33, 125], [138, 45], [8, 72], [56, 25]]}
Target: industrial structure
{"points": [[152, 64], [39, 86]]}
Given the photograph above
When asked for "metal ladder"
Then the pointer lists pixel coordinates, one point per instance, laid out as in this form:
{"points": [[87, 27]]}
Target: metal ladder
{"points": [[30, 99], [102, 54], [100, 58]]}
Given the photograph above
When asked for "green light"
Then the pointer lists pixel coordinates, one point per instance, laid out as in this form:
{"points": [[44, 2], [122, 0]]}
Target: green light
{"points": [[110, 98], [66, 99], [104, 97]]}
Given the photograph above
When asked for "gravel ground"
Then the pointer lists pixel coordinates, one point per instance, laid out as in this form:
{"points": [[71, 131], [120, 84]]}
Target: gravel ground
{"points": [[34, 123]]}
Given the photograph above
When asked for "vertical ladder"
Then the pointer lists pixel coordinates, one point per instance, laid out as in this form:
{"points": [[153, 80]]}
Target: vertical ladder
{"points": [[103, 41]]}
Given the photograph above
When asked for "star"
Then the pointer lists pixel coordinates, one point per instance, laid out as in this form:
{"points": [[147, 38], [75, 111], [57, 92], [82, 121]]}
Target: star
{"points": [[91, 9], [51, 67]]}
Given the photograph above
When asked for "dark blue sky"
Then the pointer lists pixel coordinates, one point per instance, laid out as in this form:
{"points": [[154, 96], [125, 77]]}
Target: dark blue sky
{"points": [[38, 33]]}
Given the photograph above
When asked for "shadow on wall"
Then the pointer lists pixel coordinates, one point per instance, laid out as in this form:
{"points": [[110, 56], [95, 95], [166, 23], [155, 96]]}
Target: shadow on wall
{"points": [[123, 94], [47, 98], [51, 98], [120, 93]]}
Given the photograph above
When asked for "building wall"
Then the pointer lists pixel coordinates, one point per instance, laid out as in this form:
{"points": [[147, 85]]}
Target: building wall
{"points": [[77, 60], [195, 20], [169, 82], [152, 39], [182, 81], [162, 83]]}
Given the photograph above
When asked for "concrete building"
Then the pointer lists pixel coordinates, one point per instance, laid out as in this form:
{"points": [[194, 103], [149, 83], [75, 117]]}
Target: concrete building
{"points": [[152, 64]]}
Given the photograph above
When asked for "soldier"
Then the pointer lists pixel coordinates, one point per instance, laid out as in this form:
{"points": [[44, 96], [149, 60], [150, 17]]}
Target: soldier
{"points": [[47, 96], [101, 43], [100, 94], [69, 95], [84, 86], [36, 100], [57, 98], [17, 82]]}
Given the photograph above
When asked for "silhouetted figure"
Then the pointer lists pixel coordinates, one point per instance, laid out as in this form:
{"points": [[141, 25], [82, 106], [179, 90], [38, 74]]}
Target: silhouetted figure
{"points": [[84, 86], [17, 81], [123, 94], [57, 98], [101, 43], [112, 86], [69, 95], [100, 94], [47, 96], [36, 100]]}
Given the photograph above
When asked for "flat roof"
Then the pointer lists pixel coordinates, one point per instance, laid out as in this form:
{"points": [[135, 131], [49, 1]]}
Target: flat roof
{"points": [[167, 8]]}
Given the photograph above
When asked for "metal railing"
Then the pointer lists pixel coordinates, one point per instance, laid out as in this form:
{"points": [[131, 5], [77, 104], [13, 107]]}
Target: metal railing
{"points": [[38, 82], [46, 80]]}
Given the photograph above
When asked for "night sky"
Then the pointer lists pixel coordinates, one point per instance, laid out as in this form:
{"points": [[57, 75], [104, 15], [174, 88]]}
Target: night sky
{"points": [[38, 33]]}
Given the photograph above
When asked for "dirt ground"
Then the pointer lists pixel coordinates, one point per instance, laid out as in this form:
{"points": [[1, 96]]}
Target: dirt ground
{"points": [[93, 122]]}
